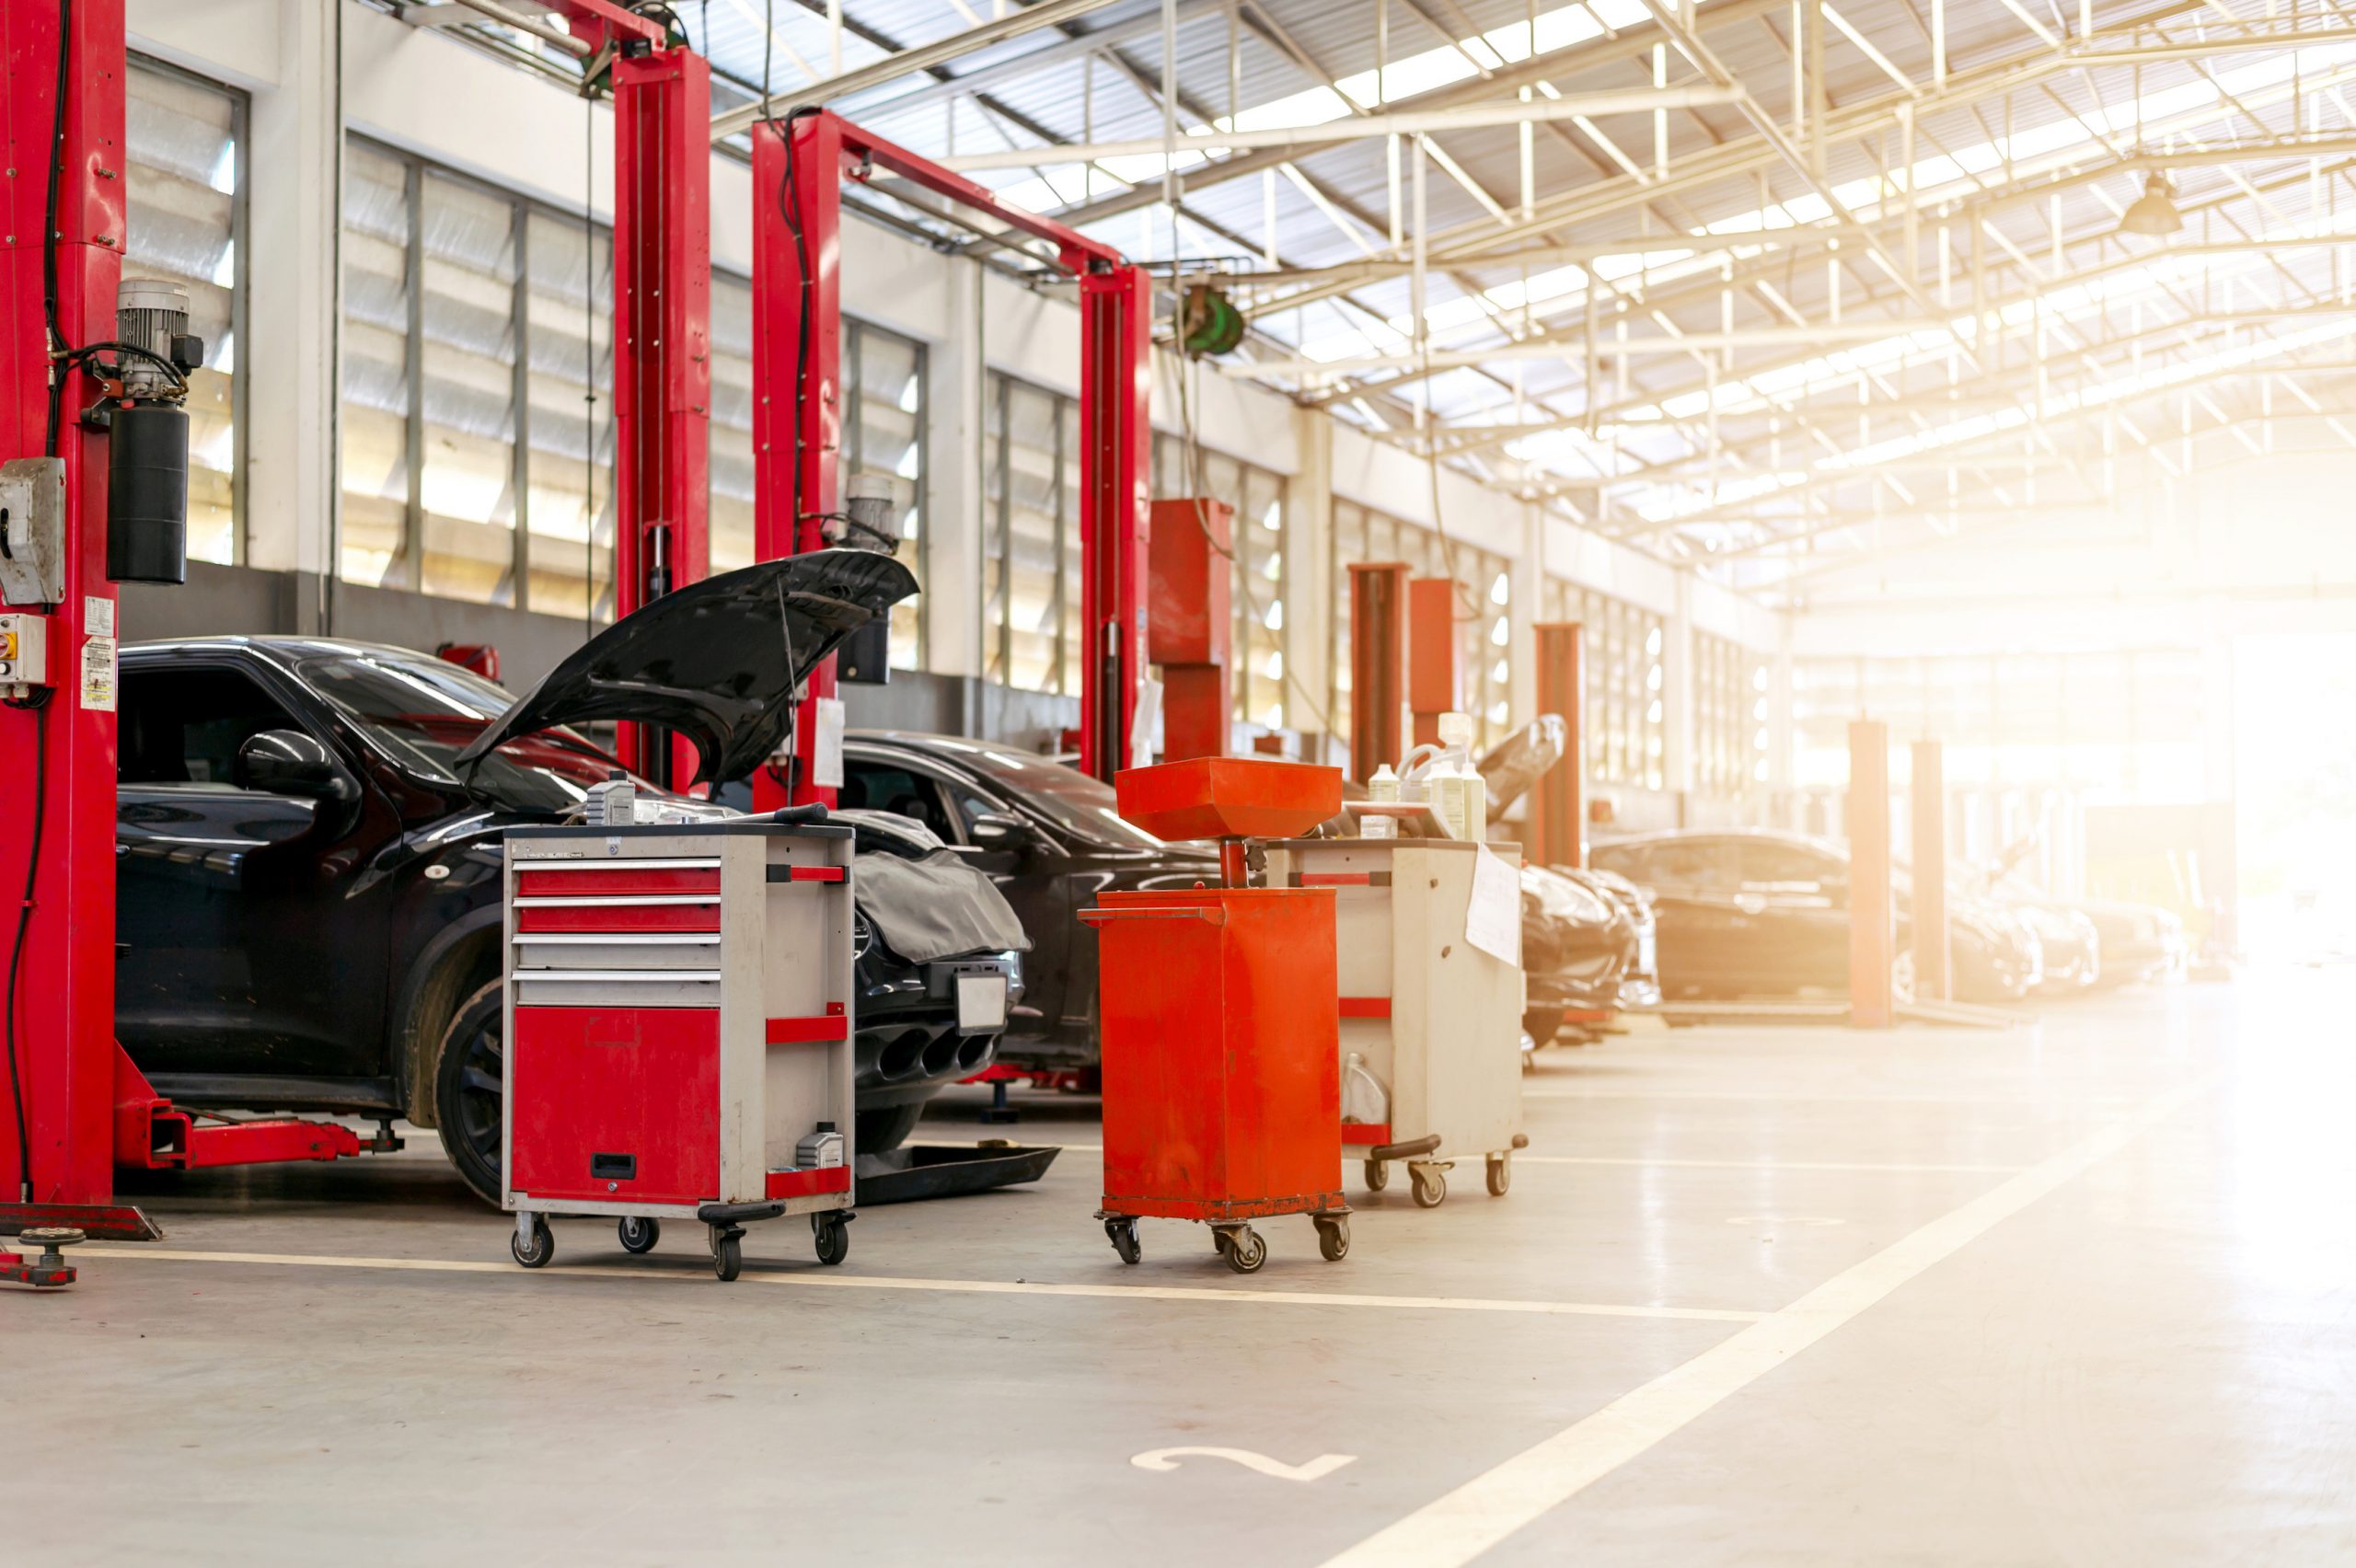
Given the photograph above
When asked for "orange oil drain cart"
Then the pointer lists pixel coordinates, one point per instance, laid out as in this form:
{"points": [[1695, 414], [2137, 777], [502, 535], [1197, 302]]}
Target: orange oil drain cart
{"points": [[1221, 1071]]}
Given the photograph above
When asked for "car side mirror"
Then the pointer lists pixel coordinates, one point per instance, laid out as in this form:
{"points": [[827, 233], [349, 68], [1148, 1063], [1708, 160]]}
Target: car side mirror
{"points": [[1001, 830], [288, 761]]}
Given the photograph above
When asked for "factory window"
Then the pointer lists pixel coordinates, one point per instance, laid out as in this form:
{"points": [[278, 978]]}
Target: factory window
{"points": [[1256, 548], [884, 433], [186, 190], [1031, 538], [1484, 611], [478, 353], [1729, 716], [1627, 707]]}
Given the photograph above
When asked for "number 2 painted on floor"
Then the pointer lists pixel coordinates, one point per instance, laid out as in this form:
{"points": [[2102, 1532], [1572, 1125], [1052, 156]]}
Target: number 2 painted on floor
{"points": [[1317, 1469]]}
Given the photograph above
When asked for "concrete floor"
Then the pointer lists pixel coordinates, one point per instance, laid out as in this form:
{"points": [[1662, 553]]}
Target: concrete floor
{"points": [[2083, 1292]]}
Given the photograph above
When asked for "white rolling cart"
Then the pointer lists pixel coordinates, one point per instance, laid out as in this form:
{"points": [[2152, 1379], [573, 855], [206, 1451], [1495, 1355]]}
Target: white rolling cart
{"points": [[1431, 1017]]}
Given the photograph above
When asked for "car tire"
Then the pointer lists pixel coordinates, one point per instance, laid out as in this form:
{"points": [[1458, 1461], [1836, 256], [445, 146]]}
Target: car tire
{"points": [[470, 1087], [1542, 1024], [886, 1127]]}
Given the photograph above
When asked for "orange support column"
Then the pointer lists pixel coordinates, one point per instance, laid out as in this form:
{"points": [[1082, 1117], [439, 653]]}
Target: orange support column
{"points": [[1188, 622], [1431, 655], [1873, 937], [1378, 665], [1558, 801], [1933, 967]]}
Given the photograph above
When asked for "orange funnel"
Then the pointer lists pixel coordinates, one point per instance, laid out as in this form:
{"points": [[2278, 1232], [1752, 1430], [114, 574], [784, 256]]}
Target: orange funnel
{"points": [[1229, 797]]}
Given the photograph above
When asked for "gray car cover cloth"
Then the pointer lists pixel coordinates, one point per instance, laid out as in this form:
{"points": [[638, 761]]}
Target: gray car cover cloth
{"points": [[935, 908]]}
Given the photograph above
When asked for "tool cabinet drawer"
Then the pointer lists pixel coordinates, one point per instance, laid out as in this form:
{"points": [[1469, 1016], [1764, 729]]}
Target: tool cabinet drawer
{"points": [[616, 987], [616, 950], [573, 879], [618, 912]]}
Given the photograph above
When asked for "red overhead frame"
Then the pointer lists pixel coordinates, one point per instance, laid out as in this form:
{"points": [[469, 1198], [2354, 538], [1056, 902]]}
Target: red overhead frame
{"points": [[1873, 935], [1378, 665], [663, 321], [1934, 956], [1558, 801], [1432, 686], [799, 167], [1189, 623]]}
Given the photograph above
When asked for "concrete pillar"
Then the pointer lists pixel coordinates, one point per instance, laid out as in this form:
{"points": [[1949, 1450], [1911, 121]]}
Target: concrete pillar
{"points": [[1677, 694], [1309, 585], [1933, 967], [289, 359], [1872, 925]]}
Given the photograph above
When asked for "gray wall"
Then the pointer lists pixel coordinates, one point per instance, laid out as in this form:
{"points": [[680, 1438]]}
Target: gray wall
{"points": [[222, 600]]}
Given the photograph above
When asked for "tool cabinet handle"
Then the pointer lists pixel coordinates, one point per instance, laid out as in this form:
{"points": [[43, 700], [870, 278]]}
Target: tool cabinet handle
{"points": [[1106, 916]]}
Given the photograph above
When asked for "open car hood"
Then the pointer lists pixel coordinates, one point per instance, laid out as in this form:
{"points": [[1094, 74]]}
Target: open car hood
{"points": [[710, 659]]}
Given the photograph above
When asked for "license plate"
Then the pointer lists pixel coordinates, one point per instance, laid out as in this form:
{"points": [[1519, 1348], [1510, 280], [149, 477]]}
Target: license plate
{"points": [[981, 1003]]}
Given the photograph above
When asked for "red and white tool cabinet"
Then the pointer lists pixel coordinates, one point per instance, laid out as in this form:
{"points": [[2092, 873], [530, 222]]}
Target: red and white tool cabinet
{"points": [[678, 1021]]}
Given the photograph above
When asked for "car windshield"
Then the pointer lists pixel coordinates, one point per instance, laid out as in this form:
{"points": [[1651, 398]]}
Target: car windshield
{"points": [[1065, 796], [424, 710]]}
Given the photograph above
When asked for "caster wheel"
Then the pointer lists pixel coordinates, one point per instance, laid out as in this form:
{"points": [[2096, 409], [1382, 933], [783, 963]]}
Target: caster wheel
{"points": [[1430, 1187], [728, 1257], [1246, 1250], [1123, 1236], [542, 1247], [832, 1238], [1500, 1177], [1334, 1238], [1377, 1175], [639, 1235]]}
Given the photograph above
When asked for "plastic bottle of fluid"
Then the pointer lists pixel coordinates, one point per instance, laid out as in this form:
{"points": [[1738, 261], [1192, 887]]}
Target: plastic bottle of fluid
{"points": [[1447, 786], [1363, 1100], [1382, 787]]}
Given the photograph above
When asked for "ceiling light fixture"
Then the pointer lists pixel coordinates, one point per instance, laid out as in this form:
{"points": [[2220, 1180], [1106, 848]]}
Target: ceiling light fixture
{"points": [[2152, 212]]}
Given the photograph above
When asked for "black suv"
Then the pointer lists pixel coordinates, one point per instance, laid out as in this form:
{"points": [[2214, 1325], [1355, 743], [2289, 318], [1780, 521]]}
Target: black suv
{"points": [[307, 868]]}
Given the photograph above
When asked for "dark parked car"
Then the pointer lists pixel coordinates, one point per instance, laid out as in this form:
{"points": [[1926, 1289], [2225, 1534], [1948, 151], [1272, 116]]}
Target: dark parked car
{"points": [[1753, 913], [309, 875], [2068, 942], [1051, 838], [1583, 952]]}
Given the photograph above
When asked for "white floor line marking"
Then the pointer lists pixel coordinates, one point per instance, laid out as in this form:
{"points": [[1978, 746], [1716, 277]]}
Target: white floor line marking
{"points": [[1454, 1529], [1840, 1097], [1897, 1169], [816, 1280]]}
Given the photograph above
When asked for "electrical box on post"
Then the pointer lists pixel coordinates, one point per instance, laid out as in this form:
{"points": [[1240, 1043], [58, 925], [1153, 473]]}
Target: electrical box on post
{"points": [[24, 655], [32, 530]]}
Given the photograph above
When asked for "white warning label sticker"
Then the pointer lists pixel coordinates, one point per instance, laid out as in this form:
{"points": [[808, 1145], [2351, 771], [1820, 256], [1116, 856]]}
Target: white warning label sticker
{"points": [[98, 673]]}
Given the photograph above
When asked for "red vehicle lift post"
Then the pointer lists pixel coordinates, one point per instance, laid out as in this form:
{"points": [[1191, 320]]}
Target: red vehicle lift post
{"points": [[662, 320], [798, 165], [1934, 952], [1432, 684], [1558, 801]]}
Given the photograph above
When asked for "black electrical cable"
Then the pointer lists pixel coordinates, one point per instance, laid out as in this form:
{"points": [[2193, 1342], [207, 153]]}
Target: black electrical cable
{"points": [[17, 948], [789, 208]]}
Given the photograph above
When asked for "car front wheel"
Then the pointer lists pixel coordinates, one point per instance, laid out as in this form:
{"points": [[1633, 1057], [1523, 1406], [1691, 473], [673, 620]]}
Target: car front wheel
{"points": [[469, 1086]]}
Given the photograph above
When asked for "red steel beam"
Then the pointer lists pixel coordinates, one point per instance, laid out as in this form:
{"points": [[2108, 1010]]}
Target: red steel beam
{"points": [[1558, 799], [1873, 941], [1927, 911], [64, 1017], [1115, 443]]}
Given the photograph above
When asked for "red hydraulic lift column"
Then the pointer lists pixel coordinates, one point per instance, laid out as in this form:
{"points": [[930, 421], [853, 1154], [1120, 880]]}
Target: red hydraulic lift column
{"points": [[1432, 687], [1933, 966], [1115, 443], [1558, 801], [1378, 665], [1873, 941], [662, 342], [797, 369], [1189, 625], [57, 832]]}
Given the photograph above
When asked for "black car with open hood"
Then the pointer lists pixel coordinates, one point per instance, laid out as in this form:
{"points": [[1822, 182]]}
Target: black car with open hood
{"points": [[717, 660], [307, 855]]}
